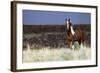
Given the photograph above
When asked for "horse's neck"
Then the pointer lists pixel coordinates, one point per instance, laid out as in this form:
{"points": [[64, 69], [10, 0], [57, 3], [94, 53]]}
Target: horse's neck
{"points": [[71, 30]]}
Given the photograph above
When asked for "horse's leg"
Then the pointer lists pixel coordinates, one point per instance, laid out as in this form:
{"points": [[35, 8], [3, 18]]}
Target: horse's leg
{"points": [[81, 44], [72, 45], [79, 41], [69, 43]]}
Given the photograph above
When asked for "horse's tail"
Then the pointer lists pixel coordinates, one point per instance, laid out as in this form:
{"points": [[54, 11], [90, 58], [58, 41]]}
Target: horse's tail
{"points": [[83, 36]]}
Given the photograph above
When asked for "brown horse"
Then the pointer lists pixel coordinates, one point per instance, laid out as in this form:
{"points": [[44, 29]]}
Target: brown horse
{"points": [[72, 36]]}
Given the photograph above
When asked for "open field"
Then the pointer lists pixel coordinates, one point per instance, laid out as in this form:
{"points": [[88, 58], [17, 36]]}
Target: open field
{"points": [[48, 43]]}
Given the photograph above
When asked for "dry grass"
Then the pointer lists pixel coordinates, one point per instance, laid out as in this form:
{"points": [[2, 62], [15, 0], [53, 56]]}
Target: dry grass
{"points": [[55, 54]]}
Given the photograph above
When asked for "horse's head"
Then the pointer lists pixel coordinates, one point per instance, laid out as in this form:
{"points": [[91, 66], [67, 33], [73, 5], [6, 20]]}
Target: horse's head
{"points": [[68, 23], [70, 29]]}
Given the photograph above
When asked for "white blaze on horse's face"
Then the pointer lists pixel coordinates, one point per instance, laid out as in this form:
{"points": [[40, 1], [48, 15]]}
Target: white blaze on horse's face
{"points": [[67, 24]]}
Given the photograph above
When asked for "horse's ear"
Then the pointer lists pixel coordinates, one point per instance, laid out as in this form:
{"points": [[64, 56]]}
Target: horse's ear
{"points": [[66, 19], [69, 19]]}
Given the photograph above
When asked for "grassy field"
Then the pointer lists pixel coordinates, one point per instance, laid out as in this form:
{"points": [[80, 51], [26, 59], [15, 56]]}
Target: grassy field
{"points": [[48, 43], [62, 54]]}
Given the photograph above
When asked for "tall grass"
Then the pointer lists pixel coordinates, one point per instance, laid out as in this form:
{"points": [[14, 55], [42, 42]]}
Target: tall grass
{"points": [[55, 54]]}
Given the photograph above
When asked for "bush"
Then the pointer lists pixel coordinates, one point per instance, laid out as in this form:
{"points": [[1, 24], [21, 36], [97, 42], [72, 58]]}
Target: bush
{"points": [[76, 45]]}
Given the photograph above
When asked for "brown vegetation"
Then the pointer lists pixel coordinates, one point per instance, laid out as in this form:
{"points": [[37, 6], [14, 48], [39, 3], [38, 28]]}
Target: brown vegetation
{"points": [[53, 36]]}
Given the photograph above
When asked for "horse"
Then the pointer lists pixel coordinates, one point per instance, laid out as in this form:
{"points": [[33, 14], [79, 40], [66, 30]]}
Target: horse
{"points": [[73, 36]]}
